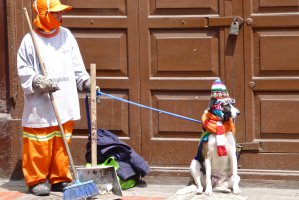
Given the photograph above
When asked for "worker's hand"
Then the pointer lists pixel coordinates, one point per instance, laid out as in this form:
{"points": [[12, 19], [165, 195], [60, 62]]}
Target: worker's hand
{"points": [[42, 84], [86, 88]]}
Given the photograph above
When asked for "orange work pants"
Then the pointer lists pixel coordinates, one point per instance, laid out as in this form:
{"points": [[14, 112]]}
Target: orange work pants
{"points": [[44, 154]]}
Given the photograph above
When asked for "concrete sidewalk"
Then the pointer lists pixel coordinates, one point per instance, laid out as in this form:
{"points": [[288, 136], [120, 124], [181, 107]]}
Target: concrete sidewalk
{"points": [[164, 188]]}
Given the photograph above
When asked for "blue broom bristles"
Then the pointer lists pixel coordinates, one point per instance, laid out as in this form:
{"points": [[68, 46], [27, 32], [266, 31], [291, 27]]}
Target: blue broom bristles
{"points": [[80, 190]]}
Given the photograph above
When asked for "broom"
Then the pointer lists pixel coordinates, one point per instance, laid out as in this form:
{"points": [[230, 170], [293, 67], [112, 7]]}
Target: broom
{"points": [[78, 190]]}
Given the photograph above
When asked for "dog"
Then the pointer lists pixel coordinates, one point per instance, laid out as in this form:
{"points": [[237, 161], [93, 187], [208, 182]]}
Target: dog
{"points": [[215, 165]]}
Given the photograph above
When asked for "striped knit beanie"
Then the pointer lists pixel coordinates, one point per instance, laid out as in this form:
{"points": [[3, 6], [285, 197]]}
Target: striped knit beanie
{"points": [[219, 90]]}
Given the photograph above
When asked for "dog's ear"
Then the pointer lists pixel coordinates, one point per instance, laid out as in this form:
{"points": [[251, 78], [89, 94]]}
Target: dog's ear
{"points": [[211, 102]]}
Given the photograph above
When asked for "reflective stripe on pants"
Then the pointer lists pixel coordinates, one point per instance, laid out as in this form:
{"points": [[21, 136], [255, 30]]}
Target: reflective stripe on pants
{"points": [[44, 154]]}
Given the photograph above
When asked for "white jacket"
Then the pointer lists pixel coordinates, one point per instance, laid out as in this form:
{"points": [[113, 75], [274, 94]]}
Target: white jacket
{"points": [[64, 65]]}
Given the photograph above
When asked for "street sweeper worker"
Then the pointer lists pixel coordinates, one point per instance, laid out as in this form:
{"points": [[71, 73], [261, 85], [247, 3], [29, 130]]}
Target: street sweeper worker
{"points": [[44, 154]]}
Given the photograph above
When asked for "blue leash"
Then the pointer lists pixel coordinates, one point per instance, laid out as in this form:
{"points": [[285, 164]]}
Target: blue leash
{"points": [[99, 93]]}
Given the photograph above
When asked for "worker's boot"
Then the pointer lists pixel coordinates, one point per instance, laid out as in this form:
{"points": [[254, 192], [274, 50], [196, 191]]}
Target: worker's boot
{"points": [[40, 189]]}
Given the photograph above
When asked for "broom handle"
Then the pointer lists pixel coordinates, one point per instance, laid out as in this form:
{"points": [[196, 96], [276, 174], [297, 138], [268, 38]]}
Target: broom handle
{"points": [[51, 96], [93, 116]]}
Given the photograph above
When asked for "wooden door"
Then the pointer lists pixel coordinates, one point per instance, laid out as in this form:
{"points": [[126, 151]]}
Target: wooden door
{"points": [[106, 32], [185, 47], [271, 46]]}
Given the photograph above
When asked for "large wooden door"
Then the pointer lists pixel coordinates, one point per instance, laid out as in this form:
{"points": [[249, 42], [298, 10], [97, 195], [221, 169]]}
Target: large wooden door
{"points": [[271, 46], [185, 46]]}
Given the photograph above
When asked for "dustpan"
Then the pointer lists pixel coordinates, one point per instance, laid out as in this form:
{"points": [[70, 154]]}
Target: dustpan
{"points": [[105, 177]]}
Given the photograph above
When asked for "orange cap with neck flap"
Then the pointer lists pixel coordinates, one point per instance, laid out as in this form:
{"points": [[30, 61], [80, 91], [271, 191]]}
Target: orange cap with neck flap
{"points": [[44, 19]]}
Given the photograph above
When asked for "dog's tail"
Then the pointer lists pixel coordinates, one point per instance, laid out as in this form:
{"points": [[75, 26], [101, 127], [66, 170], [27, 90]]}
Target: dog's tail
{"points": [[187, 189]]}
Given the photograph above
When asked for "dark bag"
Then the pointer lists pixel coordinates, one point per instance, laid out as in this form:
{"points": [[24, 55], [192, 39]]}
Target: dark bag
{"points": [[130, 163]]}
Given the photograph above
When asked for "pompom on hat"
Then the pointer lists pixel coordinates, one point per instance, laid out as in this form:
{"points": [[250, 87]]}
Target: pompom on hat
{"points": [[218, 90]]}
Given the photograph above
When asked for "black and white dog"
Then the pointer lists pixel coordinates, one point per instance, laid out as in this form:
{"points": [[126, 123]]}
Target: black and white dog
{"points": [[215, 166]]}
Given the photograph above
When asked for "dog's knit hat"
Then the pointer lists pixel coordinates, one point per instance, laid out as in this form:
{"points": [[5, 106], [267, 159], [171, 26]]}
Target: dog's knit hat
{"points": [[219, 90]]}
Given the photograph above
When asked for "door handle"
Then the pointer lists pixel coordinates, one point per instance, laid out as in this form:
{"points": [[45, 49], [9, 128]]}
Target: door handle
{"points": [[251, 84]]}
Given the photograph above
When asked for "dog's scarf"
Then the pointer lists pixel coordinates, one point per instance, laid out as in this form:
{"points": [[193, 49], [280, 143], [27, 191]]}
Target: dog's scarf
{"points": [[213, 124]]}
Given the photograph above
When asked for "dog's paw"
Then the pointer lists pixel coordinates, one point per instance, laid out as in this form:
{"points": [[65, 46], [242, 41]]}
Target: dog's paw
{"points": [[236, 190], [222, 189], [188, 189], [209, 190], [199, 190]]}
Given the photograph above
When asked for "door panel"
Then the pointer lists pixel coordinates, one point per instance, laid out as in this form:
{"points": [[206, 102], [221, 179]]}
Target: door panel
{"points": [[109, 50], [119, 5], [176, 7], [184, 53], [271, 62], [184, 50]]}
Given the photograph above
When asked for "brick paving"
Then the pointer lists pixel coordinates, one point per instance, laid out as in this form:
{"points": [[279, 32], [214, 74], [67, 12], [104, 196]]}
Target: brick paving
{"points": [[143, 198], [10, 195], [17, 190], [164, 188], [13, 195]]}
